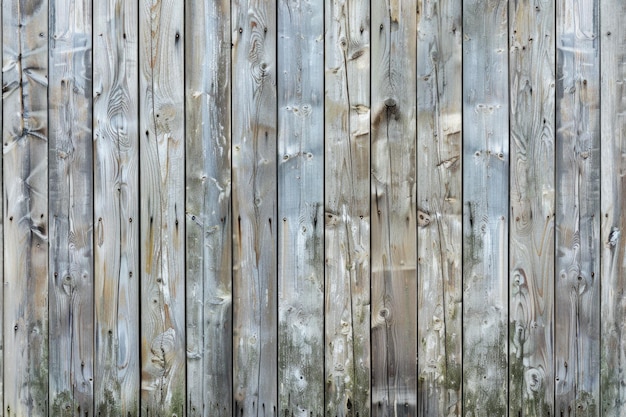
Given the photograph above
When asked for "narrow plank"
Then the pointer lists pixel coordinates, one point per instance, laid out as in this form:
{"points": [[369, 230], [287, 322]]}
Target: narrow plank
{"points": [[531, 303], [577, 288], [485, 207], [300, 208], [116, 208], [439, 205], [346, 207], [70, 187], [162, 234], [613, 149], [209, 227], [393, 204], [254, 207], [25, 165]]}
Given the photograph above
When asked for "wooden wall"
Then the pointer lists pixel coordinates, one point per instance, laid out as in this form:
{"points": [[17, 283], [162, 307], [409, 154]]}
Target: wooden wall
{"points": [[307, 208]]}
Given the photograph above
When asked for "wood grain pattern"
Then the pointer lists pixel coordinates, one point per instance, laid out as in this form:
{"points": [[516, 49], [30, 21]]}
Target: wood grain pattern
{"points": [[25, 165], [70, 161], [485, 207], [577, 289], [613, 149], [209, 228], [531, 267], [346, 208], [116, 208], [439, 205], [254, 207], [300, 208], [393, 207], [162, 229]]}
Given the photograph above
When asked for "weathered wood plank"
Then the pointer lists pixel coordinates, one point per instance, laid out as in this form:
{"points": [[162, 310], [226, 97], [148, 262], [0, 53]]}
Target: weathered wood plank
{"points": [[25, 165], [393, 204], [254, 207], [485, 207], [301, 208], [577, 289], [531, 326], [613, 149], [439, 205], [162, 152], [346, 207], [209, 227], [71, 303], [116, 208]]}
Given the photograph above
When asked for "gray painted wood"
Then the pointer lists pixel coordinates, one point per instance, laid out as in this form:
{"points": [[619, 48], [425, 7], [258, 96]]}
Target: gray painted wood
{"points": [[300, 208], [485, 207], [254, 207], [208, 215], [346, 208], [116, 208], [531, 268], [162, 203], [25, 165], [613, 147], [70, 187], [439, 205], [577, 263]]}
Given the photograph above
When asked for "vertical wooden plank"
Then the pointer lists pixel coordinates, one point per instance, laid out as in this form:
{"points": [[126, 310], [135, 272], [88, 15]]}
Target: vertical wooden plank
{"points": [[439, 120], [346, 207], [577, 290], [485, 207], [208, 215], [254, 207], [162, 153], [116, 208], [25, 165], [71, 209], [300, 208], [613, 148], [393, 204], [531, 266]]}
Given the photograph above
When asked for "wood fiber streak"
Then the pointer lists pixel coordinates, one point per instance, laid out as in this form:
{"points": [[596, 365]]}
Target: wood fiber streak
{"points": [[393, 207], [613, 149], [346, 208], [577, 269], [70, 187], [439, 205], [162, 228], [301, 208], [485, 207], [531, 265], [208, 211], [116, 208], [254, 146], [25, 165]]}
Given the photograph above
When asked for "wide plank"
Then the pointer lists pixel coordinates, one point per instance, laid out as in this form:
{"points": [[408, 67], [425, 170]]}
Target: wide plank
{"points": [[439, 205], [300, 208], [25, 166]]}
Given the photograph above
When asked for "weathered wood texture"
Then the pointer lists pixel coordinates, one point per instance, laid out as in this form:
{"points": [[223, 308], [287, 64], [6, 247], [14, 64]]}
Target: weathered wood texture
{"points": [[208, 215], [439, 206], [346, 208], [116, 207], [70, 162], [577, 263], [162, 191], [531, 265], [300, 208], [485, 207], [254, 146], [613, 149], [25, 165]]}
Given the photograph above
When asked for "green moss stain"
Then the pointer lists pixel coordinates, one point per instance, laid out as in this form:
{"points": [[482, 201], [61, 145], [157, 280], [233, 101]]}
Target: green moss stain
{"points": [[63, 405], [177, 407]]}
